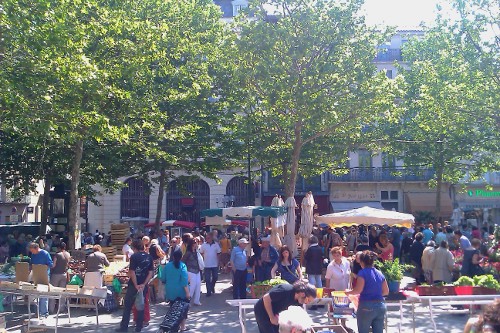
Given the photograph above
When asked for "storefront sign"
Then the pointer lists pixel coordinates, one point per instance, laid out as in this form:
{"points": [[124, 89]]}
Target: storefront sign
{"points": [[483, 194], [354, 196]]}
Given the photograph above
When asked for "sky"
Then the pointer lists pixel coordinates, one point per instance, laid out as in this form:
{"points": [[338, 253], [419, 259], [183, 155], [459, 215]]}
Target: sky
{"points": [[403, 14]]}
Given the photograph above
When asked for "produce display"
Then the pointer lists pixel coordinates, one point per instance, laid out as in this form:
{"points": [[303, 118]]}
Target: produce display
{"points": [[8, 270], [487, 281], [464, 281], [116, 269], [272, 282]]}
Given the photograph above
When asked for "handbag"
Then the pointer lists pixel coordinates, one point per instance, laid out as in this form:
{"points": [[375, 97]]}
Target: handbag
{"points": [[201, 263]]}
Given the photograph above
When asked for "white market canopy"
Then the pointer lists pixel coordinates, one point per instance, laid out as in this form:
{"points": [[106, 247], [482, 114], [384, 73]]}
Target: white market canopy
{"points": [[367, 215], [218, 216]]}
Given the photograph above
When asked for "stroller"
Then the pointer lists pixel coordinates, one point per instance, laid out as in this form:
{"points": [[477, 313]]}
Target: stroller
{"points": [[175, 315]]}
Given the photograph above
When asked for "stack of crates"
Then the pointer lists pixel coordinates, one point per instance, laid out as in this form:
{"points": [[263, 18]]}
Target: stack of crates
{"points": [[119, 233]]}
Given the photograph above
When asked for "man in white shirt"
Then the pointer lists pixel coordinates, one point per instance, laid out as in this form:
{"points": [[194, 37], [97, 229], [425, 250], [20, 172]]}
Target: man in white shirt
{"points": [[210, 251]]}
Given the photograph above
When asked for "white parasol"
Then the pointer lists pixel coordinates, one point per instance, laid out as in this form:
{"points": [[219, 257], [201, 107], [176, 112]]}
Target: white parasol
{"points": [[289, 239], [366, 215], [275, 229], [307, 220]]}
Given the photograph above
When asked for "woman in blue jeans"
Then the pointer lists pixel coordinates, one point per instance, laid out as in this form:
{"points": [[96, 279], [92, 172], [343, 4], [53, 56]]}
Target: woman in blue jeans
{"points": [[371, 286]]}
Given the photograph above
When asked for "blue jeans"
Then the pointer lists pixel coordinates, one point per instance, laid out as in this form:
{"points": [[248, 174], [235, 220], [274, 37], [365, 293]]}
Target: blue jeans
{"points": [[371, 314], [315, 280], [211, 275], [43, 304]]}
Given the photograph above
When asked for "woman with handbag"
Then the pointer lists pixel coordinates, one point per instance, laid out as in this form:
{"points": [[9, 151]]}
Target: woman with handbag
{"points": [[175, 277], [288, 267], [194, 265]]}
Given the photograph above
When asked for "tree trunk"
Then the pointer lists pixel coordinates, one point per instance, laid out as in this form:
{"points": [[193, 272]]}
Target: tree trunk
{"points": [[45, 206], [73, 214], [159, 206], [294, 165]]}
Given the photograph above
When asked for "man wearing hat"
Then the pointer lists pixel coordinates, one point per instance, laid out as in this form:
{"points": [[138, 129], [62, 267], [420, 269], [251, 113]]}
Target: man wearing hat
{"points": [[239, 265], [268, 257]]}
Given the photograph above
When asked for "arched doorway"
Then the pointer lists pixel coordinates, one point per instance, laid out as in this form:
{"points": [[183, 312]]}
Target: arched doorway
{"points": [[238, 186], [185, 200], [134, 199]]}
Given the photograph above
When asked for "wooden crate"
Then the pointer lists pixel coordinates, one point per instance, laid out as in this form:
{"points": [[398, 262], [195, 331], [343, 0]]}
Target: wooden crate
{"points": [[110, 252]]}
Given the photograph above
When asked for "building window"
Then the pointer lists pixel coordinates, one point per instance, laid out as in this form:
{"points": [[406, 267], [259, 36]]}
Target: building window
{"points": [[388, 161], [198, 193], [389, 200], [388, 73], [364, 158], [238, 8], [134, 199], [238, 186]]}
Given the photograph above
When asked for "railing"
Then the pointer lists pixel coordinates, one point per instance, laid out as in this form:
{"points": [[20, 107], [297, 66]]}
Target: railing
{"points": [[389, 55], [383, 174], [301, 186]]}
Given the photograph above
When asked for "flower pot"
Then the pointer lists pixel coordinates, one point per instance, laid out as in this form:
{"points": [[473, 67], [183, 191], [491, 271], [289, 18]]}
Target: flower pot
{"points": [[435, 290], [393, 286], [464, 290], [484, 291]]}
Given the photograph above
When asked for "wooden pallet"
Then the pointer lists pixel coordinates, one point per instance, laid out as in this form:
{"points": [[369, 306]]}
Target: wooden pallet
{"points": [[110, 252]]}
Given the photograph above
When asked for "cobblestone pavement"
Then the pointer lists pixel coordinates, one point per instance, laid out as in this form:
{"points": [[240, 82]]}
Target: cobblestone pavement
{"points": [[215, 316]]}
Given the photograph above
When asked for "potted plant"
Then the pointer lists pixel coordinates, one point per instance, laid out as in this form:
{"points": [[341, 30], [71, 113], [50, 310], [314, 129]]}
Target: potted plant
{"points": [[393, 271]]}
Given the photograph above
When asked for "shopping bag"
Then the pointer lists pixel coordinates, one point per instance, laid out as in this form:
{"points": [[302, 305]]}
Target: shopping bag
{"points": [[139, 301], [76, 280]]}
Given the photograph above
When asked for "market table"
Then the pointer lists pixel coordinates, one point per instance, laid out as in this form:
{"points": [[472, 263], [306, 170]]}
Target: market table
{"points": [[35, 295], [451, 300]]}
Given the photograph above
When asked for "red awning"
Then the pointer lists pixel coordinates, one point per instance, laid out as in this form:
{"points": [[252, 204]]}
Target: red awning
{"points": [[243, 223], [184, 224]]}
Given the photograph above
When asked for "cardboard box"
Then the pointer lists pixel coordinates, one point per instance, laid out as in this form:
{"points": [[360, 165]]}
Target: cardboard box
{"points": [[40, 274], [70, 288], [9, 285], [26, 286], [22, 271], [43, 288]]}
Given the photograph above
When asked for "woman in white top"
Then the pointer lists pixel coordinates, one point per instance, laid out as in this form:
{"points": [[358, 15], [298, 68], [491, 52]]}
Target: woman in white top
{"points": [[127, 249], [338, 271]]}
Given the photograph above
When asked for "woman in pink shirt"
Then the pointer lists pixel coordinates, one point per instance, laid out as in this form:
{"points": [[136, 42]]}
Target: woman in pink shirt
{"points": [[386, 250]]}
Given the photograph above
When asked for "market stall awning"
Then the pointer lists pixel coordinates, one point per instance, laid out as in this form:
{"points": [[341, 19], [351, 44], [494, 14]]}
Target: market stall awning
{"points": [[426, 202], [218, 220], [340, 206], [247, 211], [367, 215], [173, 223]]}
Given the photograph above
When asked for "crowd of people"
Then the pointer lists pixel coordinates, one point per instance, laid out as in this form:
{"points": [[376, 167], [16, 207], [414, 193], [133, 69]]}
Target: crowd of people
{"points": [[339, 259]]}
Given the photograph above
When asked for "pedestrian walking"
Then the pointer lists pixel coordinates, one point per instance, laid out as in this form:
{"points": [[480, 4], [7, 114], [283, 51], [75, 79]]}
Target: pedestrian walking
{"points": [[211, 253]]}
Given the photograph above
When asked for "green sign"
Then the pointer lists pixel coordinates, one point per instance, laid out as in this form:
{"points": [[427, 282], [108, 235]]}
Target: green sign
{"points": [[483, 194]]}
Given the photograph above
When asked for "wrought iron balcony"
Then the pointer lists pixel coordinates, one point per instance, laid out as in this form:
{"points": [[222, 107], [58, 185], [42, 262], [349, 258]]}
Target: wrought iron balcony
{"points": [[302, 185], [383, 174]]}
